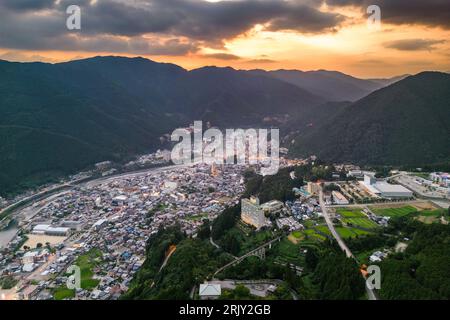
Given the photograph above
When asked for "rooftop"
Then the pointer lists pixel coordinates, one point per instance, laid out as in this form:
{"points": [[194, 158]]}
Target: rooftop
{"points": [[209, 289]]}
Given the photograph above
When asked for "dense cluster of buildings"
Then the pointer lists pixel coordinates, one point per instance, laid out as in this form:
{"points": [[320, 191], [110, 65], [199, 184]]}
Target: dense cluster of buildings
{"points": [[117, 216], [441, 178], [286, 216]]}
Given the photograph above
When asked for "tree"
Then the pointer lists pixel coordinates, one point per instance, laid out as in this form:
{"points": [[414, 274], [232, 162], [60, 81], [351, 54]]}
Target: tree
{"points": [[311, 259], [241, 291], [204, 231]]}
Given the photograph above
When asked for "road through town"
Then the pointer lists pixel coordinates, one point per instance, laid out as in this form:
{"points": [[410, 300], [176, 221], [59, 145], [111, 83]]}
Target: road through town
{"points": [[370, 293]]}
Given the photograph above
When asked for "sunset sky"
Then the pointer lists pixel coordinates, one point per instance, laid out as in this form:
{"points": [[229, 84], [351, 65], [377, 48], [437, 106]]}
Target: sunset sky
{"points": [[245, 34]]}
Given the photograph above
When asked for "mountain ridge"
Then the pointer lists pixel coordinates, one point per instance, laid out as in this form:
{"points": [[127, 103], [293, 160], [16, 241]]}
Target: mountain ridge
{"points": [[397, 125]]}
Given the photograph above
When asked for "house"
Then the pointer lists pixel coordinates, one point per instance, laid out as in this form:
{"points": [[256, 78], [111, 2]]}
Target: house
{"points": [[377, 256]]}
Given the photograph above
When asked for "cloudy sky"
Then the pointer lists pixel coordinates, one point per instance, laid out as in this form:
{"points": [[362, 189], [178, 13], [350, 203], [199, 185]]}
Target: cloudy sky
{"points": [[245, 34]]}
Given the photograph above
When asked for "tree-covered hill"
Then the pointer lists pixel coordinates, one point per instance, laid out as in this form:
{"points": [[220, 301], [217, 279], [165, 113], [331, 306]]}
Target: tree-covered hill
{"points": [[405, 123]]}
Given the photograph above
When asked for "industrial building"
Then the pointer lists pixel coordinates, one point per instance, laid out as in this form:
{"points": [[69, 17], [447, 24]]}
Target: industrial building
{"points": [[385, 190], [51, 231]]}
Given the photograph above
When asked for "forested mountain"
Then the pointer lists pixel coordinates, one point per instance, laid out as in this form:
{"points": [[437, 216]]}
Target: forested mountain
{"points": [[58, 118], [405, 123]]}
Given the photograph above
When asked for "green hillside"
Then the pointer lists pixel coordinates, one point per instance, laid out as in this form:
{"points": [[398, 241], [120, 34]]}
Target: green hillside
{"points": [[405, 123]]}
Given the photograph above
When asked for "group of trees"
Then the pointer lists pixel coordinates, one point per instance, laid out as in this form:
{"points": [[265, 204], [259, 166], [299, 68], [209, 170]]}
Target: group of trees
{"points": [[421, 272], [7, 282], [337, 277], [370, 242], [274, 187], [225, 221]]}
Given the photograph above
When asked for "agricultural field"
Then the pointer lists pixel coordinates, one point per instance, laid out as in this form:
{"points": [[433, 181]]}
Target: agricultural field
{"points": [[430, 216], [356, 218], [395, 212], [313, 235], [346, 233], [425, 213], [299, 237], [286, 251], [324, 230]]}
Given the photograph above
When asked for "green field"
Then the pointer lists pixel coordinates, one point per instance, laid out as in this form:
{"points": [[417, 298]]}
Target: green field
{"points": [[432, 213], [356, 218], [323, 229], [430, 216], [350, 232], [313, 235], [395, 212], [286, 251], [63, 293], [87, 262], [361, 222], [305, 235], [297, 234], [349, 213]]}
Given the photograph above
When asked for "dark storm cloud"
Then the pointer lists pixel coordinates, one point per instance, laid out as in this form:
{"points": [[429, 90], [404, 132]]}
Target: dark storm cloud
{"points": [[204, 20], [24, 5], [424, 12], [412, 44], [192, 20]]}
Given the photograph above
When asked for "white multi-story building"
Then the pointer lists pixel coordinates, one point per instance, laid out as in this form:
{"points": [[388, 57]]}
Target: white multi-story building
{"points": [[252, 214]]}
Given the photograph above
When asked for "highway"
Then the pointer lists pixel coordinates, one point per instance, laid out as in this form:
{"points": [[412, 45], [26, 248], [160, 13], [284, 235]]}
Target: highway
{"points": [[370, 293]]}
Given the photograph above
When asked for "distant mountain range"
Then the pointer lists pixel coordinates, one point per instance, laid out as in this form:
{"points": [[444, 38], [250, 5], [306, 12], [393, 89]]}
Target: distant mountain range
{"points": [[56, 119], [330, 85], [404, 123]]}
